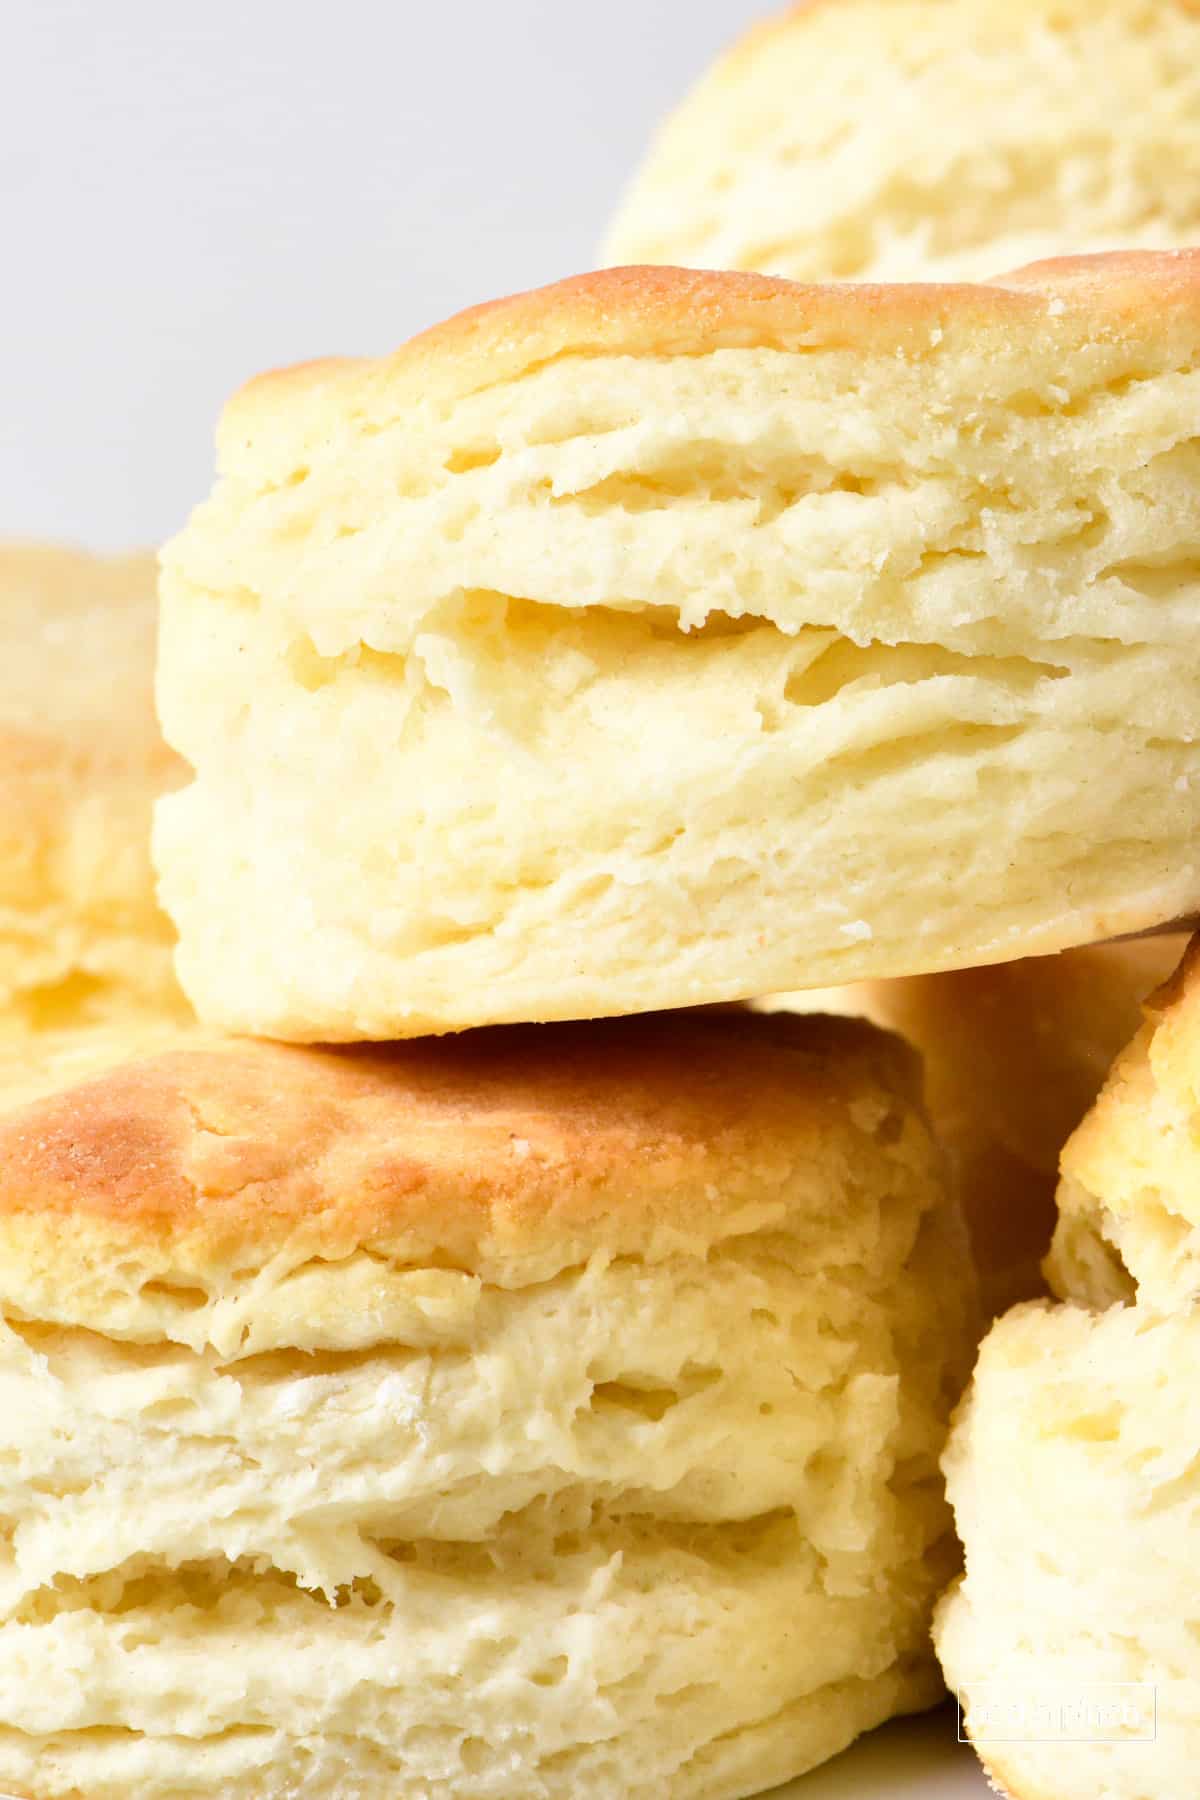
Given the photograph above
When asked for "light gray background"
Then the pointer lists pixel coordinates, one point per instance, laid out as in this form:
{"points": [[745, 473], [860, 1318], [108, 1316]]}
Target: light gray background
{"points": [[192, 193]]}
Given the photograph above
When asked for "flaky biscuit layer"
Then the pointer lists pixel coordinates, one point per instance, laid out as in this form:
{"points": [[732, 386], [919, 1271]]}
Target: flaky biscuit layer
{"points": [[667, 637]]}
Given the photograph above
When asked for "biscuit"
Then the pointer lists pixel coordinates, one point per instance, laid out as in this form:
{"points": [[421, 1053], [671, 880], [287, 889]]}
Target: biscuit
{"points": [[534, 1413], [663, 638], [81, 764], [1129, 1198], [1014, 1055], [1072, 1472], [900, 140]]}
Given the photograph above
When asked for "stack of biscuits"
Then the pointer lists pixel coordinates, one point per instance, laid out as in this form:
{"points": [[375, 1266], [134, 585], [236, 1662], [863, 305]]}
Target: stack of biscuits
{"points": [[650, 770]]}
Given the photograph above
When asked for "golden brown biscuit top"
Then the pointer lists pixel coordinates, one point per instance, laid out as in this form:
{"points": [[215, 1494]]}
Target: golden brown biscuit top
{"points": [[456, 1151], [663, 311]]}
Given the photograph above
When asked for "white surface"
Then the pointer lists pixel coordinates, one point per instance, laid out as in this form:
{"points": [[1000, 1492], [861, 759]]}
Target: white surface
{"points": [[913, 1759], [191, 194]]}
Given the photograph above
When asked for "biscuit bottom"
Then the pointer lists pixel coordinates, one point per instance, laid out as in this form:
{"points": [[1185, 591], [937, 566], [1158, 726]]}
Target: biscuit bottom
{"points": [[1072, 1470], [644, 1528]]}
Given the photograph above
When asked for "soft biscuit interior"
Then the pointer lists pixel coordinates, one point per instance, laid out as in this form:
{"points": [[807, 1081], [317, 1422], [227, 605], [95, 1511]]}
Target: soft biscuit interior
{"points": [[1072, 1473]]}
